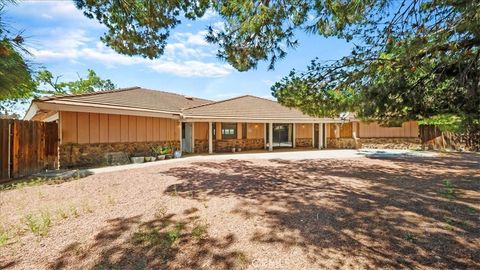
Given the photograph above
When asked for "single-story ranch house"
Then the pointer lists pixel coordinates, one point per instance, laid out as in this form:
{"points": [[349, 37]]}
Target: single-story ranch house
{"points": [[132, 120]]}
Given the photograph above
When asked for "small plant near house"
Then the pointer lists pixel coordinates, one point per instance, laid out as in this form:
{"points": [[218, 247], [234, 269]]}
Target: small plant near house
{"points": [[38, 225], [448, 190], [200, 230]]}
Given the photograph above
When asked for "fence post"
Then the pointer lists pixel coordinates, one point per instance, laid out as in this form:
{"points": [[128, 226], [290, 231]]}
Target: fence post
{"points": [[9, 149]]}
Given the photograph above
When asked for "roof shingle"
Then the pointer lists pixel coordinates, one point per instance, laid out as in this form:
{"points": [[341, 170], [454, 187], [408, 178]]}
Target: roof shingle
{"points": [[134, 97]]}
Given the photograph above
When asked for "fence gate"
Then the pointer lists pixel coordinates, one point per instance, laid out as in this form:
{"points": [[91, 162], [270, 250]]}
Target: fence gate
{"points": [[28, 147]]}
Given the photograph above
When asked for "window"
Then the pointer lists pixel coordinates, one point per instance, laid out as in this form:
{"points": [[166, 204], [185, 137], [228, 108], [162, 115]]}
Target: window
{"points": [[244, 130], [229, 130]]}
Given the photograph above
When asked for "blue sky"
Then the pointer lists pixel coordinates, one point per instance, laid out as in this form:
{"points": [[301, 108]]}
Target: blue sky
{"points": [[61, 39]]}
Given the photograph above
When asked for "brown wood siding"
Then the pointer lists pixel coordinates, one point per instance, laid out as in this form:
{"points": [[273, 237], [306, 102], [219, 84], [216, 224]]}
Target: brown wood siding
{"points": [[218, 130], [201, 130], [124, 128], [69, 127], [83, 125], [94, 128], [114, 128], [239, 131], [255, 131], [141, 129], [103, 125], [132, 128], [303, 131], [156, 129], [85, 128], [374, 130]]}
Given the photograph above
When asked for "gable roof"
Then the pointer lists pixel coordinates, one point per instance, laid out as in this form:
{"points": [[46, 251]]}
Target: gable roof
{"points": [[133, 97], [245, 107]]}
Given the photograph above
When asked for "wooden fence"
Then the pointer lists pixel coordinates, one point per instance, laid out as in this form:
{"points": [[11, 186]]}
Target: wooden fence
{"points": [[27, 147], [433, 138]]}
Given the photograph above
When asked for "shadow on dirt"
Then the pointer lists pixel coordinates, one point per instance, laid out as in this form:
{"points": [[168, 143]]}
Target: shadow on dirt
{"points": [[379, 213]]}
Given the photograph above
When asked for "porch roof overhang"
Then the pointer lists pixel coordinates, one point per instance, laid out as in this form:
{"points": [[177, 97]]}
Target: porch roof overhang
{"points": [[200, 118], [58, 105]]}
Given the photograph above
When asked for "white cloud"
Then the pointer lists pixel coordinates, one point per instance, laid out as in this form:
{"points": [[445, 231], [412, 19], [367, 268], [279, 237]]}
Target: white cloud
{"points": [[192, 68], [209, 14]]}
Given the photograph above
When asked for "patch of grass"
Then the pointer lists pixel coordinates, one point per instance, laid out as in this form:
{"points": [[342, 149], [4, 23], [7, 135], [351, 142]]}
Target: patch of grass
{"points": [[29, 182], [409, 237], [241, 261], [470, 210], [76, 248], [62, 214], [87, 208], [199, 231], [74, 211], [448, 190], [174, 193], [160, 212], [38, 225], [4, 237], [450, 223], [23, 183]]}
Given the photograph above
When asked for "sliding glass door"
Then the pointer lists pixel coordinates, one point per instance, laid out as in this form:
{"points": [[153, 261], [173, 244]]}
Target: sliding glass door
{"points": [[282, 135]]}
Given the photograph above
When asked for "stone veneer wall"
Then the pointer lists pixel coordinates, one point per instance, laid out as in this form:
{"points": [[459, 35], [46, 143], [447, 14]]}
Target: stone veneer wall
{"points": [[201, 146], [303, 142], [391, 143], [245, 144], [341, 143], [94, 155], [374, 143]]}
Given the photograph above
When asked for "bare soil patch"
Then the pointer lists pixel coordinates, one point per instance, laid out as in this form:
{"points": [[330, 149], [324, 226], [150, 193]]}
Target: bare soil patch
{"points": [[389, 213]]}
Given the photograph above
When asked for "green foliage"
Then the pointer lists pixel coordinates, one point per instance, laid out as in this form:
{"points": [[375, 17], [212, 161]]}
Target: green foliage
{"points": [[162, 150], [446, 122], [48, 84], [140, 27], [15, 80], [199, 231], [38, 224], [4, 236], [448, 190], [411, 60]]}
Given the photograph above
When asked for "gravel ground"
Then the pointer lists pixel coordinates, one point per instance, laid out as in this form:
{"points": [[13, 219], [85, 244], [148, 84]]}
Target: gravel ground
{"points": [[385, 212]]}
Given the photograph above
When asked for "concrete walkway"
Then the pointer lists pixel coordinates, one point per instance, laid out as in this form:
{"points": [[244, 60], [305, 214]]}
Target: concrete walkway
{"points": [[289, 155]]}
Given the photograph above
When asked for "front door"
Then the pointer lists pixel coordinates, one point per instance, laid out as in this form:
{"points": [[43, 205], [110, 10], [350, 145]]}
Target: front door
{"points": [[187, 137]]}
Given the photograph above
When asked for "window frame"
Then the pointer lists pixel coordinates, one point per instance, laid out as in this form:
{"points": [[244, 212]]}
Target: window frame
{"points": [[229, 131]]}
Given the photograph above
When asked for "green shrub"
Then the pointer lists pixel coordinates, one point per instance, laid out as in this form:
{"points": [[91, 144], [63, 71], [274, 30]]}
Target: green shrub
{"points": [[38, 225]]}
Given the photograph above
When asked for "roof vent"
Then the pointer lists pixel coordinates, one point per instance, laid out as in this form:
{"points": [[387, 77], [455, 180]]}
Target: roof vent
{"points": [[189, 97]]}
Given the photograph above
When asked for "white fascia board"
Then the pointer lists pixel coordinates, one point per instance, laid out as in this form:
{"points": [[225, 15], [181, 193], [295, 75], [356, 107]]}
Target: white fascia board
{"points": [[107, 109]]}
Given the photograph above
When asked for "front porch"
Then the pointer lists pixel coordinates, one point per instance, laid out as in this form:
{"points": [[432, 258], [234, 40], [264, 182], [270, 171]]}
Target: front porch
{"points": [[226, 137]]}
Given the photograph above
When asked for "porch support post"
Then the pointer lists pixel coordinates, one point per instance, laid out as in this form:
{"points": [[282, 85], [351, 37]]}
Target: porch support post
{"points": [[265, 136], [270, 137], [294, 135], [193, 137], [313, 135], [320, 135], [180, 136], [210, 139]]}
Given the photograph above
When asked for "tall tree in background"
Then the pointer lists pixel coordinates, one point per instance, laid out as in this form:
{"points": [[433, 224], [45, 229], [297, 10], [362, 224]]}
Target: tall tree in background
{"points": [[46, 83], [412, 59], [15, 74]]}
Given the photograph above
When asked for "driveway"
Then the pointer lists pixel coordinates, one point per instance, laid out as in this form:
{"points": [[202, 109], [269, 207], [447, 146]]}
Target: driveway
{"points": [[291, 210]]}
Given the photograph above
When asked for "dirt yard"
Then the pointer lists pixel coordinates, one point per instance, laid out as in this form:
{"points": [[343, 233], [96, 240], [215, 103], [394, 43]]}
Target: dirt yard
{"points": [[351, 213]]}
